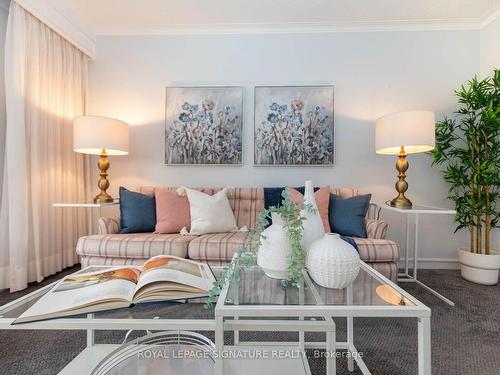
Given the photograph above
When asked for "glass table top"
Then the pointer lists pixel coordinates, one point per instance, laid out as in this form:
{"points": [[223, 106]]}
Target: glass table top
{"points": [[253, 288]]}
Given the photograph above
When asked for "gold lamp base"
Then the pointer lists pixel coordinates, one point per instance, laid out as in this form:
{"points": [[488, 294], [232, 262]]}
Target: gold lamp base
{"points": [[103, 183], [401, 185]]}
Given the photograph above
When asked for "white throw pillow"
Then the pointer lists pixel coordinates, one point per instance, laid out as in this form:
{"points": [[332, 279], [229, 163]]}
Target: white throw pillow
{"points": [[209, 213]]}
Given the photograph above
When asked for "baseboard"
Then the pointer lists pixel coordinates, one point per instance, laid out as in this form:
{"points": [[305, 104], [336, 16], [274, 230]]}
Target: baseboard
{"points": [[434, 263]]}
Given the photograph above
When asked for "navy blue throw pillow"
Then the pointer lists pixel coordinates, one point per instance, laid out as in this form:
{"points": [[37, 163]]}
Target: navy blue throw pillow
{"points": [[137, 212], [347, 216]]}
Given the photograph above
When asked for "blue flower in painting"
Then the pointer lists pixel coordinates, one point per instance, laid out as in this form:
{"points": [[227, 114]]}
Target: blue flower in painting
{"points": [[195, 107], [272, 118], [283, 108], [274, 107], [186, 106], [184, 117], [201, 116]]}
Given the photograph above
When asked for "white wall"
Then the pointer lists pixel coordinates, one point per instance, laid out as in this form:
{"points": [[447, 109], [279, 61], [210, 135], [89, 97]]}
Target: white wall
{"points": [[4, 12], [489, 59], [373, 73], [490, 47]]}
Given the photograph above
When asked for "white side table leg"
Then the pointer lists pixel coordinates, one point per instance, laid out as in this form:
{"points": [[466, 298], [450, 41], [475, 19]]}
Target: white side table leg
{"points": [[415, 250], [424, 346], [407, 245]]}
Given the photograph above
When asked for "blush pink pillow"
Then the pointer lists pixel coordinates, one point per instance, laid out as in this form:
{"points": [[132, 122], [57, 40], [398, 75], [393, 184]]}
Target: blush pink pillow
{"points": [[172, 212], [322, 197]]}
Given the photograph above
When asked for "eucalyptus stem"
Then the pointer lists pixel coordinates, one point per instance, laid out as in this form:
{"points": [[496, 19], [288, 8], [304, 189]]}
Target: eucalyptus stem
{"points": [[246, 256]]}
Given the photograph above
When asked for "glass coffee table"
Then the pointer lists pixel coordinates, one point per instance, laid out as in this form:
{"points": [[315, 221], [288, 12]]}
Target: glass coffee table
{"points": [[252, 303]]}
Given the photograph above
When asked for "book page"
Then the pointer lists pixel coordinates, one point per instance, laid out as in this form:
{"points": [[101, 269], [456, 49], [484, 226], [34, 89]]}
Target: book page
{"points": [[178, 272], [85, 289]]}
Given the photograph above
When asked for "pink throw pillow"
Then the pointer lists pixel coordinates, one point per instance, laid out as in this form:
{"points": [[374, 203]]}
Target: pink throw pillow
{"points": [[322, 197], [172, 212]]}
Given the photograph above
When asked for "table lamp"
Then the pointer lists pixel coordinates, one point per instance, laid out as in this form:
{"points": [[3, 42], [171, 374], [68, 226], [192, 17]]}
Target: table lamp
{"points": [[404, 133], [104, 136]]}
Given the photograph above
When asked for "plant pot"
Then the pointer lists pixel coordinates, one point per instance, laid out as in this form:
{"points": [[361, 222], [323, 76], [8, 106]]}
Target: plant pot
{"points": [[479, 268]]}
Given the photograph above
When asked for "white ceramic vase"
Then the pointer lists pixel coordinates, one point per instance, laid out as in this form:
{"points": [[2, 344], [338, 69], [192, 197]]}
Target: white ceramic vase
{"points": [[313, 225], [274, 252], [332, 262]]}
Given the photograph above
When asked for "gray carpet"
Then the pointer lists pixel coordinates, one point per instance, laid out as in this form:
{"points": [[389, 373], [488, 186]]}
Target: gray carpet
{"points": [[465, 338]]}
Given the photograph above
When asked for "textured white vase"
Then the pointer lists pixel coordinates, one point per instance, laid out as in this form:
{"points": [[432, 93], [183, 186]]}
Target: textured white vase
{"points": [[332, 262], [313, 225], [274, 251]]}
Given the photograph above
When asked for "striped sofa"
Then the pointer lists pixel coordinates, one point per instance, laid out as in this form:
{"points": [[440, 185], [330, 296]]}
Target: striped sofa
{"points": [[111, 248]]}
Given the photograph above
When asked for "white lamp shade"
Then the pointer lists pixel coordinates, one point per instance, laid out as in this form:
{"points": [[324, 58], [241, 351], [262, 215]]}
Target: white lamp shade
{"points": [[414, 130], [92, 134]]}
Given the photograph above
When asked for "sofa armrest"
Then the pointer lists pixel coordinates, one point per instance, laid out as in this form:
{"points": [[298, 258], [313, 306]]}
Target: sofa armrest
{"points": [[376, 229], [108, 225]]}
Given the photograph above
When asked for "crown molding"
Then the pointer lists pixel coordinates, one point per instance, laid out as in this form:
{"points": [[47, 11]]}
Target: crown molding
{"points": [[290, 28], [64, 21], [491, 16]]}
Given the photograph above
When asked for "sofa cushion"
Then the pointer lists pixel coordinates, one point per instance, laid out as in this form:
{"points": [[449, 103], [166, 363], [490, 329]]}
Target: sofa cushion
{"points": [[172, 212], [347, 215], [216, 246], [137, 212], [133, 245], [246, 203], [209, 213], [372, 250]]}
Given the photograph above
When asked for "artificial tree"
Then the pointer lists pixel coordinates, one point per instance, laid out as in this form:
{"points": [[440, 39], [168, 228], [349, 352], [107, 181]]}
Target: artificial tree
{"points": [[468, 145]]}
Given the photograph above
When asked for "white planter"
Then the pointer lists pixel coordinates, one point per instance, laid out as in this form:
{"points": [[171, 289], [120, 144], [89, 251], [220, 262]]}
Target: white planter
{"points": [[274, 252], [313, 225], [479, 268], [332, 262]]}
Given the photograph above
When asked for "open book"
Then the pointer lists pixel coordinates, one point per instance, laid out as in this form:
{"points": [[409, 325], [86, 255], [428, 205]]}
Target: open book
{"points": [[161, 278]]}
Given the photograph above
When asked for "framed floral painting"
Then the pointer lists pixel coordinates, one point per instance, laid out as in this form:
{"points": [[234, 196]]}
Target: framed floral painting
{"points": [[203, 125], [294, 125]]}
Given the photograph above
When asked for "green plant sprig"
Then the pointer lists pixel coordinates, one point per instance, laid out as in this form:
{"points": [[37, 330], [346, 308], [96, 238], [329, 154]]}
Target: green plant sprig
{"points": [[246, 256]]}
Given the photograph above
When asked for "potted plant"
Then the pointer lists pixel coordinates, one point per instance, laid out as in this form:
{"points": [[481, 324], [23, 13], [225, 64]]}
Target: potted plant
{"points": [[468, 146]]}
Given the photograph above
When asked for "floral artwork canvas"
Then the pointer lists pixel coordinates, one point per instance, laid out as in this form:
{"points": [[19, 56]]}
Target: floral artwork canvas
{"points": [[294, 125], [203, 125]]}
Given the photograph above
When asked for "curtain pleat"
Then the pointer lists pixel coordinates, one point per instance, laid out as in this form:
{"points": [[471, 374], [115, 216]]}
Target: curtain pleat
{"points": [[46, 84]]}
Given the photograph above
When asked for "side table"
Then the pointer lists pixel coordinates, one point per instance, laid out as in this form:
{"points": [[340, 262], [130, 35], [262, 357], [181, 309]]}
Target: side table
{"points": [[416, 211], [90, 206]]}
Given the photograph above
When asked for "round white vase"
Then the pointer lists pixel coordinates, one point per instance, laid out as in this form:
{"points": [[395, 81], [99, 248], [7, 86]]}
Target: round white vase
{"points": [[313, 225], [274, 252], [332, 262]]}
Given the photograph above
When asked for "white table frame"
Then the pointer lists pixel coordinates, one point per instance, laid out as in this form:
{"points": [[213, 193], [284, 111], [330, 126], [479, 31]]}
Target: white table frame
{"points": [[237, 311], [221, 323], [406, 276]]}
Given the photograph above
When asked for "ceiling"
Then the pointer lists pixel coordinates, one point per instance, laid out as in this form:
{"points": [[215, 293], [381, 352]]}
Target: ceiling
{"points": [[122, 16]]}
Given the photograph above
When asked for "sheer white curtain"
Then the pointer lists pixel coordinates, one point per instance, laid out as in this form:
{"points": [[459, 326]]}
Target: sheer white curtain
{"points": [[45, 84]]}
